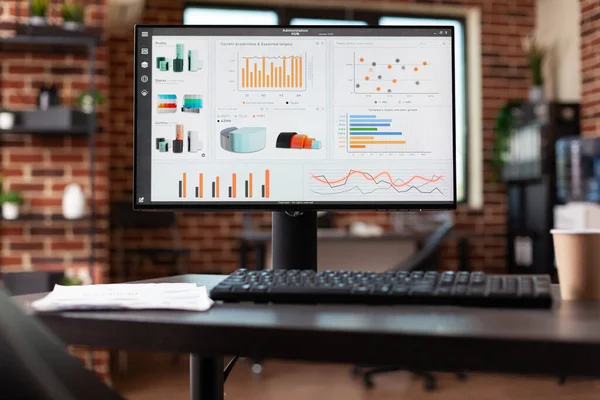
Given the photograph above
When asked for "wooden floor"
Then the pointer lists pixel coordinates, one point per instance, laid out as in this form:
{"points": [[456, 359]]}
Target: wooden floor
{"points": [[154, 377]]}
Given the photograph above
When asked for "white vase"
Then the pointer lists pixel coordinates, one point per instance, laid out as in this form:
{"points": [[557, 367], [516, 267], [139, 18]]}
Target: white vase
{"points": [[7, 120], [71, 26], [73, 202], [37, 20], [536, 94], [10, 211]]}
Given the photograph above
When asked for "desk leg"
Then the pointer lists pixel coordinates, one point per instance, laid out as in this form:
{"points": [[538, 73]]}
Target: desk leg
{"points": [[206, 378]]}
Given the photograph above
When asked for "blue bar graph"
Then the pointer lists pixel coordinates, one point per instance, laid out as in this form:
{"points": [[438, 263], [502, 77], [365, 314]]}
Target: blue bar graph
{"points": [[362, 116], [373, 121], [351, 124], [376, 133]]}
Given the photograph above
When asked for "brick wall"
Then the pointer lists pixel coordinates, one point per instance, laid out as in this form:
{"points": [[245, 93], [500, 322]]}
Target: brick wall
{"points": [[590, 67], [40, 167], [211, 236]]}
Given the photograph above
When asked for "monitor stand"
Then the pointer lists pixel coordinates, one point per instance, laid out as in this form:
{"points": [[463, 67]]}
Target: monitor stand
{"points": [[294, 240]]}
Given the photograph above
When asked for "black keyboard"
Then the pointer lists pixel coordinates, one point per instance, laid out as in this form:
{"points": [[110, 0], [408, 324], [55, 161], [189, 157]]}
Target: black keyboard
{"points": [[474, 289]]}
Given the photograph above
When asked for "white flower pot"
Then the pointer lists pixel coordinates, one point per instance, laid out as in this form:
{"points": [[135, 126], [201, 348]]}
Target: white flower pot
{"points": [[7, 120], [10, 211], [71, 26], [37, 20], [73, 202], [536, 94]]}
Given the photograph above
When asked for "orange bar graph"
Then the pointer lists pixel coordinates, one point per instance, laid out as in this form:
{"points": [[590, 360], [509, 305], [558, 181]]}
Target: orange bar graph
{"points": [[251, 80], [267, 185], [250, 185], [201, 185], [217, 186], [233, 185], [288, 81], [255, 76], [296, 72], [378, 142], [300, 68], [264, 72], [243, 77], [362, 138], [357, 146], [284, 71], [184, 184], [247, 71], [272, 72]]}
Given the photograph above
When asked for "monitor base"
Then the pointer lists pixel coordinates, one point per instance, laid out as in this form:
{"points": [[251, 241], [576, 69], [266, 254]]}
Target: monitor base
{"points": [[294, 240]]}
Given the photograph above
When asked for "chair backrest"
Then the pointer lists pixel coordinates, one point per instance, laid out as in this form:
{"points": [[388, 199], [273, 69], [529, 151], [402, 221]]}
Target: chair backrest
{"points": [[34, 364], [426, 258]]}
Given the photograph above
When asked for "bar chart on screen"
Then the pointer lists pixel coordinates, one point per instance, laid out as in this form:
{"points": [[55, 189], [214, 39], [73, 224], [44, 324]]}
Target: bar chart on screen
{"points": [[280, 72], [234, 186], [365, 184]]}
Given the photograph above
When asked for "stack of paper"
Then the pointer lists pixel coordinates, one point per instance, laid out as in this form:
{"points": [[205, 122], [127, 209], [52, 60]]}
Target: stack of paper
{"points": [[139, 296]]}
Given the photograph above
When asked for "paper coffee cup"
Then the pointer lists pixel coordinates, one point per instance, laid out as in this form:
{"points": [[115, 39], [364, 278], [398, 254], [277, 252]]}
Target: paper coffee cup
{"points": [[578, 263]]}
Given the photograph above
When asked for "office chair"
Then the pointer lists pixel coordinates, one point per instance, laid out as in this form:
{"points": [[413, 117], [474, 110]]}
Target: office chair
{"points": [[425, 259], [34, 364]]}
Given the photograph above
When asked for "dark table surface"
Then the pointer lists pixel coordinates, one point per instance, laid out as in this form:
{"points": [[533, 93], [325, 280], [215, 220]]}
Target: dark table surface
{"points": [[561, 340], [342, 235]]}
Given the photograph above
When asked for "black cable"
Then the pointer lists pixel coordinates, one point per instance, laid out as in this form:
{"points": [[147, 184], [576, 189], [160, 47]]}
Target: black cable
{"points": [[229, 367]]}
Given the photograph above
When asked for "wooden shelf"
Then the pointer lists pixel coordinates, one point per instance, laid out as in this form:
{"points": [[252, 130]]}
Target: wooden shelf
{"points": [[80, 131], [49, 39], [41, 218]]}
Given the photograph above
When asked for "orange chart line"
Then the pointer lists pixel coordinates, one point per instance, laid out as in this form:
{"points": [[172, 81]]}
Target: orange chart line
{"points": [[184, 184], [378, 141], [267, 183], [366, 176], [217, 186]]}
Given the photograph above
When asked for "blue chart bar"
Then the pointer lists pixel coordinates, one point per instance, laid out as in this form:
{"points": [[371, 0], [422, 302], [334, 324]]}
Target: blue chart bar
{"points": [[371, 121], [363, 116], [376, 133], [369, 124]]}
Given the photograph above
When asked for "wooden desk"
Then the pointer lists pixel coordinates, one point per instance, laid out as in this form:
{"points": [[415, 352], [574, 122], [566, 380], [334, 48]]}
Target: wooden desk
{"points": [[564, 340]]}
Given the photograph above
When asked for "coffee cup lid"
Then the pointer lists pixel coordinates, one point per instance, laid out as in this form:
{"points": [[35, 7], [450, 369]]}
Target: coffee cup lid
{"points": [[575, 231]]}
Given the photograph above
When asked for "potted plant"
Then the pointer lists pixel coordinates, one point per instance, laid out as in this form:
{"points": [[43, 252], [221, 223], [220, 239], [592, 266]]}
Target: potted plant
{"points": [[37, 12], [7, 118], [11, 201], [72, 14], [535, 59], [89, 100]]}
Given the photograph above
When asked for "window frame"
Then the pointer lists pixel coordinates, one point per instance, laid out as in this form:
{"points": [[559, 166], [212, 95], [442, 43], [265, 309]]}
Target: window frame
{"points": [[285, 14]]}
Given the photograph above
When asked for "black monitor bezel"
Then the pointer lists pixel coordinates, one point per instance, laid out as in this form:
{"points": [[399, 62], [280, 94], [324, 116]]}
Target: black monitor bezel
{"points": [[302, 206]]}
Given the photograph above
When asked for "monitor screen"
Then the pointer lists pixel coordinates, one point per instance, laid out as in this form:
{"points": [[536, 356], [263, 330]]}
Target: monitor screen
{"points": [[299, 117]]}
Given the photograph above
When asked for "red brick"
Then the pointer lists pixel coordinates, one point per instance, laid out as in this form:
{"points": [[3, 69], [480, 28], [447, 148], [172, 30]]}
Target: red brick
{"points": [[46, 202], [26, 246], [60, 158], [10, 261], [15, 158], [74, 245]]}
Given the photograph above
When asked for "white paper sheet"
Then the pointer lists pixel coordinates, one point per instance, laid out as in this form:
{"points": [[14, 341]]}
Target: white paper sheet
{"points": [[139, 296]]}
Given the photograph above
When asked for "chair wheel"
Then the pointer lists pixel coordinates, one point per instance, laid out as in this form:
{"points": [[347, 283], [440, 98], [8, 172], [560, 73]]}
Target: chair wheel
{"points": [[429, 384], [368, 382], [461, 376], [356, 371]]}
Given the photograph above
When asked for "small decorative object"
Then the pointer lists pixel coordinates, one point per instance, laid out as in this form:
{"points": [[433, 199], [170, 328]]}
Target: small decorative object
{"points": [[11, 201], [7, 119], [37, 12], [535, 59], [88, 101], [73, 202], [48, 96], [76, 276], [72, 14]]}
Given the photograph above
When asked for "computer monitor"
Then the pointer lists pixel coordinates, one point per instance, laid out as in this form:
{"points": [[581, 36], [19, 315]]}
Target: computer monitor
{"points": [[294, 118]]}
